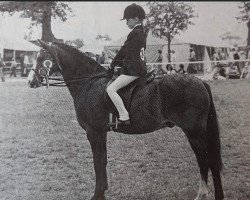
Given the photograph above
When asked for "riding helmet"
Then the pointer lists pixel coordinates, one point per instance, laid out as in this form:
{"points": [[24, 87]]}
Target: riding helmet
{"points": [[133, 11]]}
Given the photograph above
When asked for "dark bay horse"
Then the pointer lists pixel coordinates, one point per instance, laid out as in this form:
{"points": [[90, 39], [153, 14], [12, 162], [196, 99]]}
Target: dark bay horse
{"points": [[180, 99]]}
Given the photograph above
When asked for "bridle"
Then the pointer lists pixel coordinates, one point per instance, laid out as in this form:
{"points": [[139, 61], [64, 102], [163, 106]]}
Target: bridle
{"points": [[45, 69], [44, 72]]}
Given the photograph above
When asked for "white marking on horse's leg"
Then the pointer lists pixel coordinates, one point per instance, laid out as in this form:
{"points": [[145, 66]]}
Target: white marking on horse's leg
{"points": [[203, 191]]}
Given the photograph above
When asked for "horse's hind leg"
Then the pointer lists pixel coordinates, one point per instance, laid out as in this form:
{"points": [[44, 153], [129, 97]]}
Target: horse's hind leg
{"points": [[198, 144], [217, 183]]}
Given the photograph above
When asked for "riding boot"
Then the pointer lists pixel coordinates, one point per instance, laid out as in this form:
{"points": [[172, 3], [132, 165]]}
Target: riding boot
{"points": [[123, 124]]}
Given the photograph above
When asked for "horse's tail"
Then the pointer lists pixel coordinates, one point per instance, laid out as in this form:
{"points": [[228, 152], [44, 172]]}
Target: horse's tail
{"points": [[213, 135]]}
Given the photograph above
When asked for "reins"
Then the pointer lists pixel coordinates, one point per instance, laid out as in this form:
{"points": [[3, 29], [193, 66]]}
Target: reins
{"points": [[75, 80]]}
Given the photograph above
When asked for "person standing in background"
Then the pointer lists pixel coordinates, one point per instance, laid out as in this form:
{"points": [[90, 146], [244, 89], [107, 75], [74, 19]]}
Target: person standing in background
{"points": [[215, 57], [25, 62], [237, 57], [192, 68], [1, 68], [159, 69], [102, 58], [173, 59], [22, 64], [13, 67]]}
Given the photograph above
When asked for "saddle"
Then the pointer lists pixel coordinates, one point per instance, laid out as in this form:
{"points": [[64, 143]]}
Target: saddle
{"points": [[126, 93]]}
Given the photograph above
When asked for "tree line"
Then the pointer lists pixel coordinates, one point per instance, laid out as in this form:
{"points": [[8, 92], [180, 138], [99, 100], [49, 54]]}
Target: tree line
{"points": [[165, 19]]}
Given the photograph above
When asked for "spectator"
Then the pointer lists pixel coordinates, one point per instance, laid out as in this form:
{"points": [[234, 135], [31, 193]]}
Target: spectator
{"points": [[245, 71], [1, 68], [222, 63], [215, 57], [159, 59], [192, 56], [221, 71], [173, 58], [22, 64], [181, 70], [236, 57], [13, 68], [230, 57], [171, 70], [191, 67], [25, 62], [102, 58], [221, 55], [97, 56]]}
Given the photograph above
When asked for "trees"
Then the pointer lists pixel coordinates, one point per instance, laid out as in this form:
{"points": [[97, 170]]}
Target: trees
{"points": [[103, 37], [40, 12], [245, 17], [166, 19], [78, 43]]}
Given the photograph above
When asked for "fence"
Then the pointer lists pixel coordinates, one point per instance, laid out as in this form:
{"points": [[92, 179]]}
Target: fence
{"points": [[18, 68], [198, 64]]}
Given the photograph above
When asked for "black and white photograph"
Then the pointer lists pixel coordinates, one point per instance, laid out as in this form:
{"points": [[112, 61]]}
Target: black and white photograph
{"points": [[123, 100]]}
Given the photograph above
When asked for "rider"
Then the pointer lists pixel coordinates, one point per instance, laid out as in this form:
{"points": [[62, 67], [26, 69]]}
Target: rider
{"points": [[130, 58]]}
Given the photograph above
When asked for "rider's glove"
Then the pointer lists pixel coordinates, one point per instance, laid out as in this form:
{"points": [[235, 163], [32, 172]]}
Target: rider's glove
{"points": [[110, 72]]}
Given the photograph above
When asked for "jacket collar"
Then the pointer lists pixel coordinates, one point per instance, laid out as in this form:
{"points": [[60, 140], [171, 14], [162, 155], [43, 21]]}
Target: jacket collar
{"points": [[138, 26]]}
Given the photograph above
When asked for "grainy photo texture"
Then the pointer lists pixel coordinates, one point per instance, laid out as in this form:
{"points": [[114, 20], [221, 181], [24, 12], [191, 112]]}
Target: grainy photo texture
{"points": [[124, 100]]}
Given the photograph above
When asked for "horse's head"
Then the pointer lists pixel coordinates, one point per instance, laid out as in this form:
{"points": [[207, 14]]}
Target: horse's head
{"points": [[44, 66], [72, 63]]}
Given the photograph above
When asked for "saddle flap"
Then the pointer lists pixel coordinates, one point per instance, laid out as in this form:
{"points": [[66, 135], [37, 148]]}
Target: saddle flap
{"points": [[126, 93]]}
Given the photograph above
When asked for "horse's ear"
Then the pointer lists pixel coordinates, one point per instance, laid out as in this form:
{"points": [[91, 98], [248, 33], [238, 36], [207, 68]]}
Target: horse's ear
{"points": [[43, 44]]}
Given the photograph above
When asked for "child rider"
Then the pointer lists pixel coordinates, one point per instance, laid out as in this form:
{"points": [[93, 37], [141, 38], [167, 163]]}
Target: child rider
{"points": [[130, 58]]}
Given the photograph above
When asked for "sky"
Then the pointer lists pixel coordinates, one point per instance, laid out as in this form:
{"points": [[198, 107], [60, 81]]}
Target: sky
{"points": [[103, 17]]}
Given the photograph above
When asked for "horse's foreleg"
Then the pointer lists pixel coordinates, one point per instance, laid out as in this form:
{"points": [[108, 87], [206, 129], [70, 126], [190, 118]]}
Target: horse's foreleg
{"points": [[99, 149]]}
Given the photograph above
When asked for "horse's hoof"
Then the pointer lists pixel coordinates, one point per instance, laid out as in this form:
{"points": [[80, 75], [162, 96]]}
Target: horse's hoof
{"points": [[201, 197], [99, 197]]}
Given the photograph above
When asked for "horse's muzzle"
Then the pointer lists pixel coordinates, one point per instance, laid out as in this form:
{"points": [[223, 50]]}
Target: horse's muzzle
{"points": [[32, 84]]}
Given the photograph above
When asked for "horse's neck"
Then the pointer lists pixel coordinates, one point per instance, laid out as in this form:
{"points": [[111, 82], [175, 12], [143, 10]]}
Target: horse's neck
{"points": [[76, 65], [78, 71]]}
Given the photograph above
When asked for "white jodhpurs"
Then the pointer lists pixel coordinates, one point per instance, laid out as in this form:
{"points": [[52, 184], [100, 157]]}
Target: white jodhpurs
{"points": [[120, 82]]}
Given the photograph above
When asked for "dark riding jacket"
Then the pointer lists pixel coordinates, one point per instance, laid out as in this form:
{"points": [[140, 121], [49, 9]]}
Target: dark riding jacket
{"points": [[131, 55]]}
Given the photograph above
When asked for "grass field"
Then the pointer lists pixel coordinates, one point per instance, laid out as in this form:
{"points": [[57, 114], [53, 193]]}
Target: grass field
{"points": [[45, 155]]}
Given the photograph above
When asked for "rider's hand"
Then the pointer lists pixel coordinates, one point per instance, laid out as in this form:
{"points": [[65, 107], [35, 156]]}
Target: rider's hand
{"points": [[110, 72]]}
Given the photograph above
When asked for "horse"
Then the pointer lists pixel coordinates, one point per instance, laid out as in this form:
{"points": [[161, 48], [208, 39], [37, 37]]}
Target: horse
{"points": [[183, 100]]}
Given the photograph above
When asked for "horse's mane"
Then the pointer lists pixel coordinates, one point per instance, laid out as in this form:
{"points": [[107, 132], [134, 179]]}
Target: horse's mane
{"points": [[69, 47], [79, 54]]}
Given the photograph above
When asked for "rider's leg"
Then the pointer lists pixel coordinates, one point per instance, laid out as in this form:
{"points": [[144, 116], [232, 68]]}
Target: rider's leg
{"points": [[120, 82]]}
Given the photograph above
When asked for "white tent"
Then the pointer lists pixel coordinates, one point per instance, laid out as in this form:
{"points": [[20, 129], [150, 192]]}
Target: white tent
{"points": [[153, 45], [96, 46], [181, 48], [10, 48], [21, 45]]}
